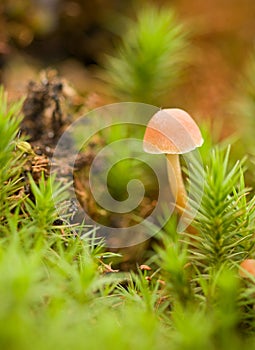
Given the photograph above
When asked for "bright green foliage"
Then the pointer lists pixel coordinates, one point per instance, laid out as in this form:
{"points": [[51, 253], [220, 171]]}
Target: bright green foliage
{"points": [[225, 217], [213, 323], [55, 291], [9, 173], [210, 306], [174, 262], [42, 209], [150, 58]]}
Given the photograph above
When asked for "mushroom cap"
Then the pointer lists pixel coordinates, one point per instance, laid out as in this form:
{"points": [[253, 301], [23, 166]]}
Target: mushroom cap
{"points": [[171, 131], [247, 267]]}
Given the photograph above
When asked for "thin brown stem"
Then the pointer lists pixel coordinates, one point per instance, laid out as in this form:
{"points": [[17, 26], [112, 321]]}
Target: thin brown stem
{"points": [[178, 189], [176, 182]]}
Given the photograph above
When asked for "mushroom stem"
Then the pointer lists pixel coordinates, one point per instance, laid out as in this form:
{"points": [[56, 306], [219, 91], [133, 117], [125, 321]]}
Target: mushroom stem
{"points": [[176, 181]]}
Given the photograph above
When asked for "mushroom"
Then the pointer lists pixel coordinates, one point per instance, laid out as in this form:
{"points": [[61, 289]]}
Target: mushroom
{"points": [[247, 268], [173, 132]]}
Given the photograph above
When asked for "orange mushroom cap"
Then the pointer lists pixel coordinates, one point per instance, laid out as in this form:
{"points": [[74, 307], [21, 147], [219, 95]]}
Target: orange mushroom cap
{"points": [[171, 131], [145, 267], [247, 267]]}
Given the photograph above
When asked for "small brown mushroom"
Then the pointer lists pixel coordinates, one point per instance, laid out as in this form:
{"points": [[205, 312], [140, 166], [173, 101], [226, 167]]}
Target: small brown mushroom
{"points": [[173, 132], [144, 267]]}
